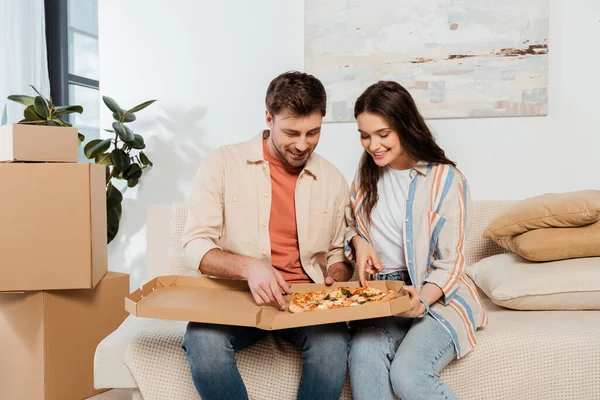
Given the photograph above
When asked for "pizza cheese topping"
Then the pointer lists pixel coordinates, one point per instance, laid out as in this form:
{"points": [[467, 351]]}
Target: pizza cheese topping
{"points": [[338, 298]]}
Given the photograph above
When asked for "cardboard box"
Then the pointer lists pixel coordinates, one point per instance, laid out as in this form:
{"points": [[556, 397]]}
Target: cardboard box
{"points": [[52, 226], [229, 302], [48, 339], [20, 142]]}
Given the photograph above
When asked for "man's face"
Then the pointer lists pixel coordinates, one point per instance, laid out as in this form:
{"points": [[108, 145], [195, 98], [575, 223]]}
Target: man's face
{"points": [[293, 138]]}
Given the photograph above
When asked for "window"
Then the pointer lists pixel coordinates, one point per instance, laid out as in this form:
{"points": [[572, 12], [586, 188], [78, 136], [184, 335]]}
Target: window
{"points": [[72, 44]]}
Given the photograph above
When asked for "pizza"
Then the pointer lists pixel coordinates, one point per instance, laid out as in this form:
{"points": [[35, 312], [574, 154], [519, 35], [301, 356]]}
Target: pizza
{"points": [[338, 298]]}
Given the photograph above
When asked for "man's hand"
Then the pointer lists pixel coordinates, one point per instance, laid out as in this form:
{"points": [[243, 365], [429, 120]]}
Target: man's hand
{"points": [[416, 307], [266, 284], [366, 259], [338, 272]]}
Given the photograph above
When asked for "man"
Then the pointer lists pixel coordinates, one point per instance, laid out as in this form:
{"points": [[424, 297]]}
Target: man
{"points": [[270, 211]]}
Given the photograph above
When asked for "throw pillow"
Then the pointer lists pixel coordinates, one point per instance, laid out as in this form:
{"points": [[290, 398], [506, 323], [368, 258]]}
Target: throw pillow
{"points": [[552, 210], [513, 282], [551, 244]]}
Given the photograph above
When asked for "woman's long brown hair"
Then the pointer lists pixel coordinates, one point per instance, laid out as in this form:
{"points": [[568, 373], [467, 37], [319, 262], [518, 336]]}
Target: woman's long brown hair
{"points": [[393, 103]]}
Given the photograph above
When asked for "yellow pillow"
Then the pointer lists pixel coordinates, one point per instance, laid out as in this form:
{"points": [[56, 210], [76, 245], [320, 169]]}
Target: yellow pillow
{"points": [[551, 244], [552, 210]]}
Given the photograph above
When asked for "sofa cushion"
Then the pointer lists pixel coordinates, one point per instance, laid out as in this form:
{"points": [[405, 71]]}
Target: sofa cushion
{"points": [[551, 244], [513, 282], [552, 210]]}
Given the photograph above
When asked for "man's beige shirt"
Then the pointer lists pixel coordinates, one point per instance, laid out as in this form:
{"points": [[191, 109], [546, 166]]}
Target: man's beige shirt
{"points": [[230, 207]]}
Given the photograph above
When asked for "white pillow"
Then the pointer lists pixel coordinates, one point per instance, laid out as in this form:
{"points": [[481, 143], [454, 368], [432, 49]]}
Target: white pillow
{"points": [[513, 282]]}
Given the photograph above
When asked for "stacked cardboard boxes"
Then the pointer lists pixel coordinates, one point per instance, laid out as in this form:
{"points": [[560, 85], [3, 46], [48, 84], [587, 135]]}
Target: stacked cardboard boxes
{"points": [[57, 300]]}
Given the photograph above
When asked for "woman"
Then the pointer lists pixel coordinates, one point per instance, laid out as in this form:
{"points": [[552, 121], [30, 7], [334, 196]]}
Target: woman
{"points": [[409, 220]]}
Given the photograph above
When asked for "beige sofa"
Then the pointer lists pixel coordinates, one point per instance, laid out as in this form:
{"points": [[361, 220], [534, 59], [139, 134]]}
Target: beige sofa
{"points": [[520, 354]]}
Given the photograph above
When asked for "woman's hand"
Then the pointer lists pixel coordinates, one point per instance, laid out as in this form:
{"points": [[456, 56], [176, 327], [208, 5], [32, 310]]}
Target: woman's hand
{"points": [[366, 259], [416, 307]]}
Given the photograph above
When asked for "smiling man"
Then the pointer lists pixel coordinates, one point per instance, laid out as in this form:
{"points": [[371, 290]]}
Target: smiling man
{"points": [[272, 212]]}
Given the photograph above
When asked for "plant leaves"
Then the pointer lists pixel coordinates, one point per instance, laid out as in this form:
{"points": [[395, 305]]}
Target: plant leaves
{"points": [[124, 132], [137, 142], [113, 219], [112, 105], [22, 99], [41, 107], [43, 98], [144, 159], [140, 107], [58, 122], [80, 138], [51, 122], [60, 110], [103, 159], [96, 147], [31, 115], [113, 196], [126, 118], [133, 172], [132, 182], [120, 159]]}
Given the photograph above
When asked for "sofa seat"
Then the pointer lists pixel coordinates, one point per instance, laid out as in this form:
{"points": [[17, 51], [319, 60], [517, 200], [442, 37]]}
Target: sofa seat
{"points": [[520, 355]]}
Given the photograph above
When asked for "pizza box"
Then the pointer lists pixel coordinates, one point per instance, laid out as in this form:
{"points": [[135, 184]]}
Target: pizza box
{"points": [[229, 302]]}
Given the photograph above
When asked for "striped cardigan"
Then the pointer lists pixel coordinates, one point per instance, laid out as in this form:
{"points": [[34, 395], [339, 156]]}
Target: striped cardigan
{"points": [[437, 222]]}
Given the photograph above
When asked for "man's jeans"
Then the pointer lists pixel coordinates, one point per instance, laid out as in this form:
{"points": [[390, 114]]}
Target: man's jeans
{"points": [[210, 352], [399, 356]]}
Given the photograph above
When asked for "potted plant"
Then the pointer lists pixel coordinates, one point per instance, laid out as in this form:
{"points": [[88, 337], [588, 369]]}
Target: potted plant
{"points": [[43, 134], [123, 156]]}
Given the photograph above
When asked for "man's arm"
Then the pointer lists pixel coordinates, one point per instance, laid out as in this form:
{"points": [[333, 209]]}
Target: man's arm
{"points": [[202, 234], [339, 269]]}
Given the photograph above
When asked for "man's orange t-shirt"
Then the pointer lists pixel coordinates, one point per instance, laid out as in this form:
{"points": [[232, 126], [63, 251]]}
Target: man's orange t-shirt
{"points": [[283, 230]]}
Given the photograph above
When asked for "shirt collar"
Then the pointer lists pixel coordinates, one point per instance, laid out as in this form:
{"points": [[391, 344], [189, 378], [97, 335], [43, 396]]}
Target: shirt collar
{"points": [[255, 153]]}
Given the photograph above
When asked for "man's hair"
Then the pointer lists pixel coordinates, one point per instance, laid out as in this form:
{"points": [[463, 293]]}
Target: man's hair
{"points": [[298, 92]]}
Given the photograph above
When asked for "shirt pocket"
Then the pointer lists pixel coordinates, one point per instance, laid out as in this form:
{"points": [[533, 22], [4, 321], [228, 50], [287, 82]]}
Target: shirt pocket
{"points": [[240, 224], [320, 230]]}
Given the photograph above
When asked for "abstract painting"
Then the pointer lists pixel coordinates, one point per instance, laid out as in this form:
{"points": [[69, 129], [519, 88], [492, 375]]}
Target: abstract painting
{"points": [[458, 58]]}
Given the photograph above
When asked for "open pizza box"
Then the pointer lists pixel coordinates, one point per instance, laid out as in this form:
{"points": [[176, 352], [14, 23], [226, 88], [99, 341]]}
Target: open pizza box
{"points": [[229, 302]]}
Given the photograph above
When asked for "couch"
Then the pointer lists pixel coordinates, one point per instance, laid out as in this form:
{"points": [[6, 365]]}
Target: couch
{"points": [[520, 354]]}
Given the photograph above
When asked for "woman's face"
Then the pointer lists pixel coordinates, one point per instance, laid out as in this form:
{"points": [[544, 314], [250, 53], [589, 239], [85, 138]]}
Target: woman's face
{"points": [[381, 141]]}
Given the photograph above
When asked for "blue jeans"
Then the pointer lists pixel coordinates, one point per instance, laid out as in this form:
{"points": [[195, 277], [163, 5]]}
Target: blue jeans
{"points": [[402, 357], [210, 352]]}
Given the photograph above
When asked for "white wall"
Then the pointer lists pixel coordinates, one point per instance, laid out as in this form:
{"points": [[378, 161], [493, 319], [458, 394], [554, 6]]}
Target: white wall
{"points": [[209, 64]]}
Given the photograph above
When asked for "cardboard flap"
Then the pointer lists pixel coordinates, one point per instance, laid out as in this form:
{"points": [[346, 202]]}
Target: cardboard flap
{"points": [[166, 281]]}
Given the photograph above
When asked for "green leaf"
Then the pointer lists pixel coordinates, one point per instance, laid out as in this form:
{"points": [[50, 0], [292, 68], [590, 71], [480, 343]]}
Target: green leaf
{"points": [[60, 110], [120, 159], [96, 147], [126, 118], [144, 159], [113, 196], [22, 99], [103, 159], [80, 138], [140, 107], [51, 122], [112, 105], [137, 142], [133, 172], [43, 98], [31, 115], [113, 219], [41, 107], [124, 132], [132, 182], [4, 116], [58, 122]]}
